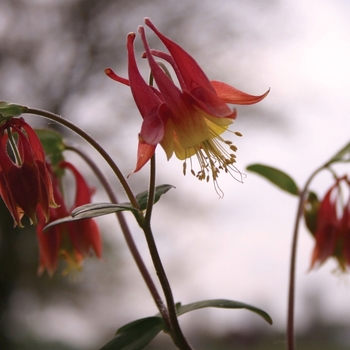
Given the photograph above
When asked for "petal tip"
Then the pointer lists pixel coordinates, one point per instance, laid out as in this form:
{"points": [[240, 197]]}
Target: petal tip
{"points": [[131, 36], [141, 29]]}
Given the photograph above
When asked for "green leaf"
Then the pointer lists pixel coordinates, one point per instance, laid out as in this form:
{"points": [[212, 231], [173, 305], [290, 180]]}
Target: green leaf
{"points": [[9, 110], [277, 177], [142, 197], [136, 335], [58, 222], [224, 304], [97, 209], [53, 145], [92, 210], [342, 156]]}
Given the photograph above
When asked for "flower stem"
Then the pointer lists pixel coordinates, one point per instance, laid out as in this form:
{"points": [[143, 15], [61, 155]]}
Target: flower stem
{"points": [[292, 270], [93, 143], [125, 229], [172, 320]]}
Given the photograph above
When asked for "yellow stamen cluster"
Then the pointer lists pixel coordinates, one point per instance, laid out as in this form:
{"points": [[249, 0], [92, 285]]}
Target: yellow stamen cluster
{"points": [[74, 263], [213, 157]]}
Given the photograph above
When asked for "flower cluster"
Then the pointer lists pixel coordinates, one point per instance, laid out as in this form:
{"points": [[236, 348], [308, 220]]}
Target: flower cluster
{"points": [[332, 225], [187, 120], [28, 186]]}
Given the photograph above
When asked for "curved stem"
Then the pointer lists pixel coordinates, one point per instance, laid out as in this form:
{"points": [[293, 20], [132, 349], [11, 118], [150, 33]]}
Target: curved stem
{"points": [[93, 143], [125, 229], [172, 320], [292, 270]]}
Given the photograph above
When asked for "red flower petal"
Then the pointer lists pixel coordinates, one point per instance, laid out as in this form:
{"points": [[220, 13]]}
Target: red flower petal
{"points": [[229, 94], [144, 154], [191, 73], [326, 230], [83, 234], [49, 245], [144, 96]]}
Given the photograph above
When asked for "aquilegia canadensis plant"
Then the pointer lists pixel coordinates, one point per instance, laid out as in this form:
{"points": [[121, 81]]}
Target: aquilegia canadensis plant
{"points": [[187, 115]]}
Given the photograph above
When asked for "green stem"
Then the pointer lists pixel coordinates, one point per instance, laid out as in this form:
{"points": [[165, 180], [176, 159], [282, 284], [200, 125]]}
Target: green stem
{"points": [[172, 320], [125, 229], [93, 143], [151, 190], [292, 270]]}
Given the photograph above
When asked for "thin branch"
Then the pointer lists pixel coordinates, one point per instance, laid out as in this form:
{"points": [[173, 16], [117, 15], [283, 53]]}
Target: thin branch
{"points": [[292, 271]]}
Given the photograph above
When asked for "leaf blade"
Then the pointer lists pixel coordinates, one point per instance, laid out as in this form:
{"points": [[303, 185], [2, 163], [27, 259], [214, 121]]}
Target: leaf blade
{"points": [[92, 210], [340, 156], [276, 176], [136, 335], [223, 304], [142, 197]]}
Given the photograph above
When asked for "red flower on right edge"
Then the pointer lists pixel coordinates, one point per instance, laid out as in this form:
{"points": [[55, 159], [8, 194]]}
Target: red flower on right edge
{"points": [[332, 229]]}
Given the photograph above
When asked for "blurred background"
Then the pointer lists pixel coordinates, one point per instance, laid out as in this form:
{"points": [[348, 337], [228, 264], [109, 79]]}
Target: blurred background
{"points": [[52, 56]]}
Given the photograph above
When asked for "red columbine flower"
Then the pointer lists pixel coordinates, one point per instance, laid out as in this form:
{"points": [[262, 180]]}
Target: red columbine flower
{"points": [[188, 120], [25, 182], [332, 231], [71, 241]]}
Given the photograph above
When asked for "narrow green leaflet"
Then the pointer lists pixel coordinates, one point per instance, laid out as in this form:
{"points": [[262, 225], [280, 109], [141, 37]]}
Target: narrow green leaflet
{"points": [[59, 221], [142, 197], [224, 304], [277, 177], [97, 209], [92, 210], [342, 156], [136, 335]]}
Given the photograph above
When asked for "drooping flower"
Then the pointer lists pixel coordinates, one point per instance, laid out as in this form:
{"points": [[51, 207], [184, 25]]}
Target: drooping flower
{"points": [[25, 183], [332, 229], [71, 241], [186, 120]]}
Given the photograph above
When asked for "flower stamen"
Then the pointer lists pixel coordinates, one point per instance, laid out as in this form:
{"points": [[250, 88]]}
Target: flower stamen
{"points": [[213, 157]]}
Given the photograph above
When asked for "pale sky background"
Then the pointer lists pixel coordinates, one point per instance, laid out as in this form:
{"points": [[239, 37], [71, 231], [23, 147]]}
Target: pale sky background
{"points": [[237, 247]]}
